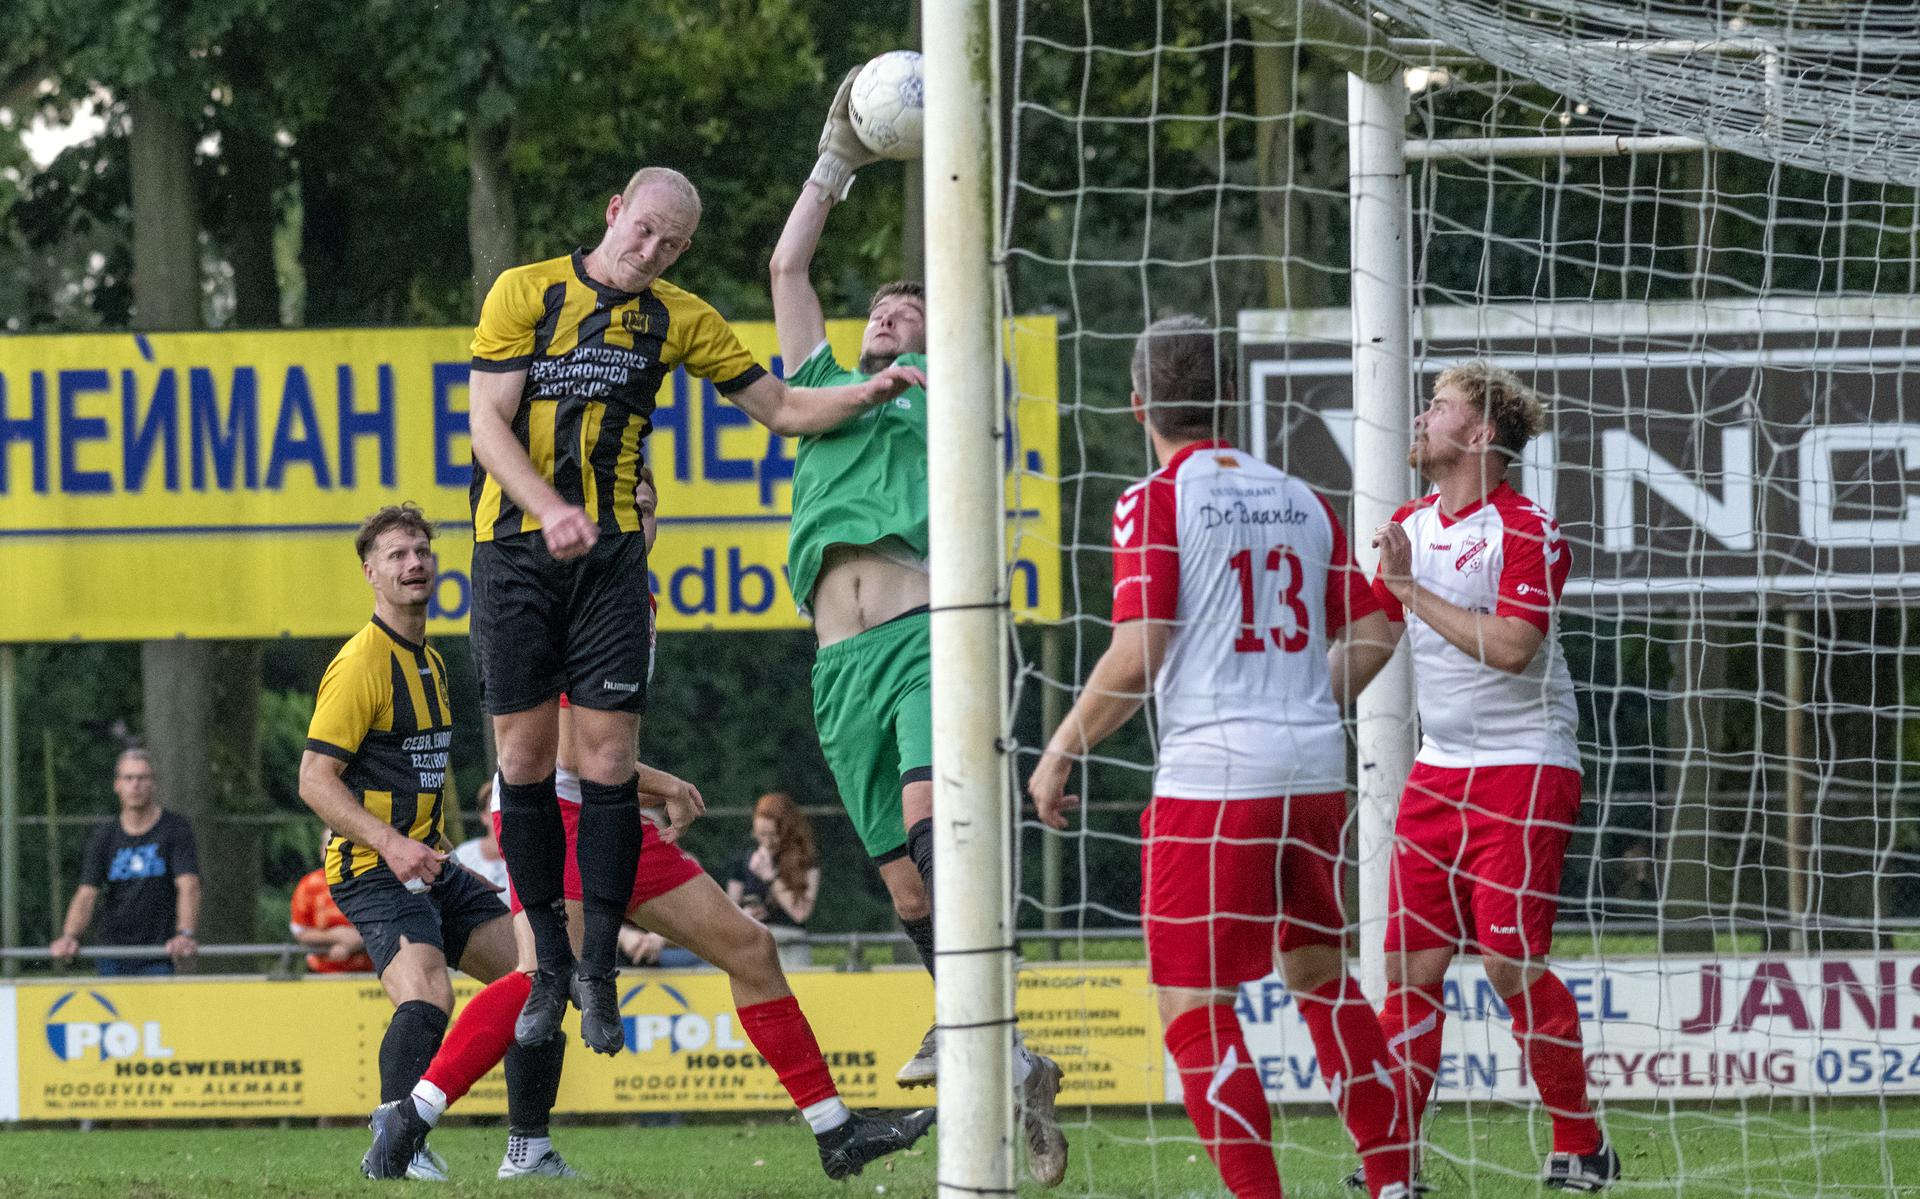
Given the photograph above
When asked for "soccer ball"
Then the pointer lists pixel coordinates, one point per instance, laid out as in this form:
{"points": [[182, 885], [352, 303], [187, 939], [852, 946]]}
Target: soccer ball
{"points": [[886, 104]]}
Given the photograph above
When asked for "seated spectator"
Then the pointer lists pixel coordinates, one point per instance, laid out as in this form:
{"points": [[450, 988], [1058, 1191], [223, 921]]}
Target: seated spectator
{"points": [[482, 854], [642, 948], [318, 924], [778, 880], [143, 870]]}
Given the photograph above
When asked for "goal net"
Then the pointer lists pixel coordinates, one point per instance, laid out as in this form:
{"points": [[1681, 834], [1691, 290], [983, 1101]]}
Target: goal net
{"points": [[1693, 229]]}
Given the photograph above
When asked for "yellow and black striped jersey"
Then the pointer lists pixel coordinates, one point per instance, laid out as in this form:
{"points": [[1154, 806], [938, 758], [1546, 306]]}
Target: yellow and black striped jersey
{"points": [[383, 711], [595, 358]]}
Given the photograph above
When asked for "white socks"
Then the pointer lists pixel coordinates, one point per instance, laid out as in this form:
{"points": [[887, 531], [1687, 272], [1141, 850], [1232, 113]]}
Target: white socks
{"points": [[524, 1151], [826, 1115], [430, 1101]]}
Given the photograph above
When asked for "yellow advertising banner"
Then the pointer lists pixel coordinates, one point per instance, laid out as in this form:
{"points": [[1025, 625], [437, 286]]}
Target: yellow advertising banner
{"points": [[208, 484], [219, 1048]]}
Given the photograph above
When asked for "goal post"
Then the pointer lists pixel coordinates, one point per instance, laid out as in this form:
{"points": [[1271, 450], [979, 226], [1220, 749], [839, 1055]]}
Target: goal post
{"points": [[1671, 220], [973, 917]]}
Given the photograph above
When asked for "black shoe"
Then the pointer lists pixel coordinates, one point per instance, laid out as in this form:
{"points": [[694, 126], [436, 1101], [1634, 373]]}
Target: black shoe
{"points": [[1585, 1172], [398, 1133], [600, 1026], [1357, 1181], [846, 1150], [540, 1016]]}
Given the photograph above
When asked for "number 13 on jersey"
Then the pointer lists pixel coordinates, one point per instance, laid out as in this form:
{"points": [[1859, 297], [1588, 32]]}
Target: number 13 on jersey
{"points": [[1279, 560]]}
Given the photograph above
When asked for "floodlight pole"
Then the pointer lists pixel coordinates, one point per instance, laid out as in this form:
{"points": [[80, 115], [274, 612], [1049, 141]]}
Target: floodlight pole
{"points": [[973, 818], [1383, 383]]}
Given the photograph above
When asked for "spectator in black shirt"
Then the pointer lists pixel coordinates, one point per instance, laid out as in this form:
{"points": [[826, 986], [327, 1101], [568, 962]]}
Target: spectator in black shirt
{"points": [[146, 867], [778, 881]]}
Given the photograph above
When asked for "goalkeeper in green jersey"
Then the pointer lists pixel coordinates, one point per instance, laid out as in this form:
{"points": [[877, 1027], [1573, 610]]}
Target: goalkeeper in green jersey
{"points": [[857, 558]]}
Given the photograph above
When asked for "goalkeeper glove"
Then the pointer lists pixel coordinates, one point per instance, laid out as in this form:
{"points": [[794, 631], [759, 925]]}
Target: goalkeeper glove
{"points": [[841, 150]]}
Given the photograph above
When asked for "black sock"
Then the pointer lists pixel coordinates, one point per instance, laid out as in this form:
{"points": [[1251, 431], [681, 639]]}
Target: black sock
{"points": [[533, 1084], [413, 1037], [533, 840], [920, 849], [920, 932], [609, 854]]}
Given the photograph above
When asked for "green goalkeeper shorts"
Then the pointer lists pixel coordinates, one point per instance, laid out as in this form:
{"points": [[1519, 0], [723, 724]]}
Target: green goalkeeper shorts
{"points": [[873, 703]]}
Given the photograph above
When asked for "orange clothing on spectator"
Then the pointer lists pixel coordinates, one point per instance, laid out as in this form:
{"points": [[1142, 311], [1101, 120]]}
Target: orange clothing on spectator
{"points": [[313, 908]]}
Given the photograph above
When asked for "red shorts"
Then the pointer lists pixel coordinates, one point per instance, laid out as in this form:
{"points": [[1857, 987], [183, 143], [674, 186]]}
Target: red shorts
{"points": [[1225, 883], [663, 865], [1477, 858]]}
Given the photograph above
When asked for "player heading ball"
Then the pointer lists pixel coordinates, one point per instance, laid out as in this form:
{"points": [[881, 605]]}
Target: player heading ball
{"points": [[568, 357]]}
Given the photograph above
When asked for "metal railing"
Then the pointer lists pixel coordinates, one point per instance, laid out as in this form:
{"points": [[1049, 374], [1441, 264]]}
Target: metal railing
{"points": [[856, 944]]}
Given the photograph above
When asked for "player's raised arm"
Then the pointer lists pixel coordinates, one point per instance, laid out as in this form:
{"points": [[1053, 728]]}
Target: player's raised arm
{"points": [[796, 307], [797, 411]]}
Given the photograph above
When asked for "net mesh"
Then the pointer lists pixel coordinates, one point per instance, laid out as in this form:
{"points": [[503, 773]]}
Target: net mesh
{"points": [[1726, 341], [1829, 87]]}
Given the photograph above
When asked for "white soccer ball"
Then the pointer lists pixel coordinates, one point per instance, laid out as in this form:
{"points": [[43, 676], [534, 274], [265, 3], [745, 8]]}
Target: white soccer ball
{"points": [[887, 102]]}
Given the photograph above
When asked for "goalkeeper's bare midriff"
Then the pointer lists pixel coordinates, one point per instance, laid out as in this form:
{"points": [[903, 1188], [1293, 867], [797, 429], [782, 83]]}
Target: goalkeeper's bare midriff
{"points": [[860, 588]]}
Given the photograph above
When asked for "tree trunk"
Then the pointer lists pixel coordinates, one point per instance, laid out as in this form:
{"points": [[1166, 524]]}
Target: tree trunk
{"points": [[248, 215], [491, 236], [201, 698]]}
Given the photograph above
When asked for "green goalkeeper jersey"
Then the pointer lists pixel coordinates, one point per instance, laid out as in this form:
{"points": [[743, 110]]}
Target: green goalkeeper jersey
{"points": [[864, 483]]}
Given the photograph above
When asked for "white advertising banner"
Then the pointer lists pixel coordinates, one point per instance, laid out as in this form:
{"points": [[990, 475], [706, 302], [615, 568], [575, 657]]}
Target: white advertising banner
{"points": [[1669, 1028]]}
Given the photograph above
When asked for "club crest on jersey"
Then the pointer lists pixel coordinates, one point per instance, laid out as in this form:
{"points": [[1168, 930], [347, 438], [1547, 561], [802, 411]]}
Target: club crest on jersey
{"points": [[1472, 559], [635, 321]]}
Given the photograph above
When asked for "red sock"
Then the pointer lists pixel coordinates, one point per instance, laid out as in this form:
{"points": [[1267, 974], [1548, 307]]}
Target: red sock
{"points": [[1546, 1023], [779, 1030], [1224, 1099], [1412, 1021], [1358, 1071], [479, 1038]]}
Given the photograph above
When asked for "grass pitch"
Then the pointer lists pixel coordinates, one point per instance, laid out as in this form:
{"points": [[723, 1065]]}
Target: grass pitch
{"points": [[1485, 1153]]}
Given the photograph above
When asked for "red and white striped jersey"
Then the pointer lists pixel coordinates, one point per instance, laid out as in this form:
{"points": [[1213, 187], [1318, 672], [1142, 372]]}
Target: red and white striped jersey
{"points": [[1255, 571], [1505, 556]]}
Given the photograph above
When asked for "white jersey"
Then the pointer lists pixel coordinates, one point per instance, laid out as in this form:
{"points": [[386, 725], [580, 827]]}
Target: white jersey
{"points": [[1254, 570], [1504, 556]]}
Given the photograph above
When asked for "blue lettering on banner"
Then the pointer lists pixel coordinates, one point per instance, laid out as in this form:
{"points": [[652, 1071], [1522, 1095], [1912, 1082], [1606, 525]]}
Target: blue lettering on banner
{"points": [[30, 429], [686, 575], [447, 425], [441, 605], [1260, 1002], [1485, 1004], [289, 446], [716, 419], [75, 429], [210, 444], [355, 424], [1582, 988], [1468, 1070], [1283, 1073], [760, 576], [159, 428]]}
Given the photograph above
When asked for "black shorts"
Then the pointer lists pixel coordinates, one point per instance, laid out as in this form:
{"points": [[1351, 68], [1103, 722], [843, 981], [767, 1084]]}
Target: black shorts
{"points": [[542, 627], [444, 916]]}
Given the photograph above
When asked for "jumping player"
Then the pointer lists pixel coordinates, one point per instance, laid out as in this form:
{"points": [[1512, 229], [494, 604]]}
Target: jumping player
{"points": [[857, 560], [1471, 575], [673, 896], [1234, 600], [374, 771], [567, 359]]}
